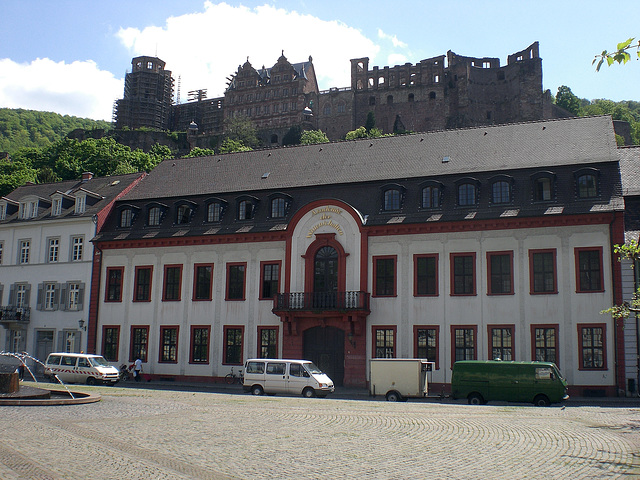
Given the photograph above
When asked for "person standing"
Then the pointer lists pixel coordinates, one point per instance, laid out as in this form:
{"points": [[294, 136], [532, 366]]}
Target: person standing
{"points": [[137, 369]]}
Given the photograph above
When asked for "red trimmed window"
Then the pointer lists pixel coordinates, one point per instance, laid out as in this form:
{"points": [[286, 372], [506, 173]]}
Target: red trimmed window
{"points": [[236, 274], [139, 343], [384, 341], [544, 343], [110, 342], [233, 345], [501, 342], [202, 281], [592, 340], [384, 276], [269, 280], [500, 273], [113, 292], [171, 289], [426, 344], [200, 338], [543, 276], [142, 289], [267, 342], [463, 273], [168, 344], [464, 340], [589, 270], [425, 275]]}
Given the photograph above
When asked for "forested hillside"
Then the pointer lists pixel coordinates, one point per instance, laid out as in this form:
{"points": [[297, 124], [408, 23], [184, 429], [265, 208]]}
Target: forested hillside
{"points": [[32, 129]]}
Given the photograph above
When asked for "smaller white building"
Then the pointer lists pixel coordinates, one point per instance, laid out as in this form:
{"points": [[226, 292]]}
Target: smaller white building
{"points": [[46, 261]]}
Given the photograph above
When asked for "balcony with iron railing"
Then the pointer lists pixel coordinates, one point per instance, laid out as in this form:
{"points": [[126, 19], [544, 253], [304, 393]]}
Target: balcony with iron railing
{"points": [[322, 302], [10, 314]]}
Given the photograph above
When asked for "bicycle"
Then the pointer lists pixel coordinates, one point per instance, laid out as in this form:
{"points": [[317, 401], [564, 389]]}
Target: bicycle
{"points": [[232, 378]]}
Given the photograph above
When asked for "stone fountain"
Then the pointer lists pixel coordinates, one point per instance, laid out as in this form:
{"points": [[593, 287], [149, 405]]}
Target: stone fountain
{"points": [[12, 392]]}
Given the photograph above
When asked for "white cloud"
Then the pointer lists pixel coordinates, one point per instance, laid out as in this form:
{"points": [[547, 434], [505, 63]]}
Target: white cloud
{"points": [[394, 39], [78, 88], [204, 48], [396, 59]]}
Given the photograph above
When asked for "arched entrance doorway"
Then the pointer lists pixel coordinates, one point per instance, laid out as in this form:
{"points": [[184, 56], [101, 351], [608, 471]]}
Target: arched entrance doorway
{"points": [[324, 346]]}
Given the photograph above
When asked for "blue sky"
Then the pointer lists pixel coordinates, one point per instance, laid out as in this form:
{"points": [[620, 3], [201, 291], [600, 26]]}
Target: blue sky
{"points": [[70, 56]]}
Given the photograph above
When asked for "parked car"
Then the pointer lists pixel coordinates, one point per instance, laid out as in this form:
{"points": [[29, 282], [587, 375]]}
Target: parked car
{"points": [[300, 377], [80, 368], [480, 382]]}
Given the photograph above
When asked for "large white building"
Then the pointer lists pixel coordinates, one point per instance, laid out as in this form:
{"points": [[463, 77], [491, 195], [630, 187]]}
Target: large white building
{"points": [[492, 242], [46, 259]]}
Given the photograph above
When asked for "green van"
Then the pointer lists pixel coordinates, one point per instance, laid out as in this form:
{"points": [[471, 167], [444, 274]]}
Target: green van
{"points": [[479, 382]]}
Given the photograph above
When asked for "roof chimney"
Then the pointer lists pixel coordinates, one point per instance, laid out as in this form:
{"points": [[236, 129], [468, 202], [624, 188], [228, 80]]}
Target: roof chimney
{"points": [[87, 176]]}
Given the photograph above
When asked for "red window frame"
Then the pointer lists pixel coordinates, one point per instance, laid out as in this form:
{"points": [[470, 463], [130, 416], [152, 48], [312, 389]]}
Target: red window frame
{"points": [[209, 297], [546, 326], [490, 255], [416, 257], [555, 271], [577, 252], [164, 328], [192, 344], [453, 340], [244, 281], [415, 342], [117, 342], [135, 282], [226, 328], [375, 275], [581, 366], [510, 327], [146, 344], [164, 283], [108, 285], [452, 257], [374, 332], [262, 279], [260, 330]]}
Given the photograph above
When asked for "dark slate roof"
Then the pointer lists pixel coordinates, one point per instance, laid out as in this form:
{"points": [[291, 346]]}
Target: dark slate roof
{"points": [[630, 170], [102, 190], [572, 141]]}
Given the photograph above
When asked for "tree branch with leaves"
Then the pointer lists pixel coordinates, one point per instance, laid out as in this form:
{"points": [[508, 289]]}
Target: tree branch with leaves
{"points": [[621, 55], [628, 251]]}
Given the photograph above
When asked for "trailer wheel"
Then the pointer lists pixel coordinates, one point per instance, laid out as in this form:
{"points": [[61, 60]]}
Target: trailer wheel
{"points": [[541, 401], [475, 399], [394, 397]]}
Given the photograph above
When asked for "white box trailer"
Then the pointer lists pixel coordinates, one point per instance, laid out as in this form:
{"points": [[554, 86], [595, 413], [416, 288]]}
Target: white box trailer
{"points": [[399, 378]]}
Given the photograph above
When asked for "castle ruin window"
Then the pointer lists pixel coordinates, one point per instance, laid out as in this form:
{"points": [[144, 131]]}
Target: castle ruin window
{"points": [[500, 75], [389, 99], [372, 100], [274, 138], [371, 81], [327, 109], [360, 66], [411, 97], [436, 79], [486, 65], [340, 108], [412, 79], [432, 95]]}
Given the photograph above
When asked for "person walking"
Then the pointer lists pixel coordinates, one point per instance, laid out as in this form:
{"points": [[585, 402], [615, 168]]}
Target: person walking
{"points": [[137, 369]]}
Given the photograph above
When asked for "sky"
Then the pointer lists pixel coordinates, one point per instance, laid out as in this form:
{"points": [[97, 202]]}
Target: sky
{"points": [[71, 56]]}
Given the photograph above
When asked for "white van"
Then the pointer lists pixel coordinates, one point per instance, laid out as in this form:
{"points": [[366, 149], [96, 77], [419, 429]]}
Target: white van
{"points": [[301, 377], [80, 368]]}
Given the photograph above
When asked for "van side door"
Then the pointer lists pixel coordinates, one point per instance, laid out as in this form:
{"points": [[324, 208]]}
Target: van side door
{"points": [[68, 369], [275, 377], [84, 370], [298, 378]]}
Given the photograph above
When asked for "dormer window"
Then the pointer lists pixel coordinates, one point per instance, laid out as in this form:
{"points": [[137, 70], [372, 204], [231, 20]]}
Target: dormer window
{"points": [[431, 195], [81, 204], [587, 183], [3, 211], [245, 210], [215, 210], [154, 216], [392, 197], [501, 190], [280, 206], [467, 193], [56, 207], [543, 185], [183, 214], [126, 218], [28, 209]]}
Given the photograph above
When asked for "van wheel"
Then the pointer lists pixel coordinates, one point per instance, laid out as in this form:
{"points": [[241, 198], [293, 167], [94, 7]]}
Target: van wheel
{"points": [[541, 401], [256, 390], [91, 381], [475, 399], [394, 397], [309, 392]]}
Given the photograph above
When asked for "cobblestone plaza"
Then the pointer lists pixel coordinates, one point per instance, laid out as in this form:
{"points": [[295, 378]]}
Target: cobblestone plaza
{"points": [[196, 433]]}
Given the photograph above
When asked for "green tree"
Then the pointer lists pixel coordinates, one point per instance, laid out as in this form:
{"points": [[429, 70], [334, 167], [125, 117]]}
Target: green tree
{"points": [[241, 129], [621, 55], [567, 100], [199, 152], [231, 146], [309, 137], [293, 136], [629, 251], [359, 132], [371, 122]]}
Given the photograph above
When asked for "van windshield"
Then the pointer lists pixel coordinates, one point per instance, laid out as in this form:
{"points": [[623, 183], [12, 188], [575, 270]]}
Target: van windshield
{"points": [[98, 362], [311, 367]]}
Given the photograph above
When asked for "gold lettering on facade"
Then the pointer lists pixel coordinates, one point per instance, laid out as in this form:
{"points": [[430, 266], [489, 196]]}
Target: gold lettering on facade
{"points": [[326, 221]]}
